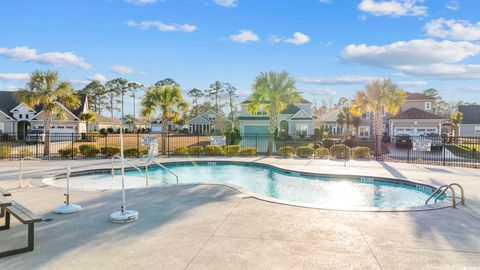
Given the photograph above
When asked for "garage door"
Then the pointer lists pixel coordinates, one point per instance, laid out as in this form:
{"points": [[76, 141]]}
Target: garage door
{"points": [[407, 131], [256, 129]]}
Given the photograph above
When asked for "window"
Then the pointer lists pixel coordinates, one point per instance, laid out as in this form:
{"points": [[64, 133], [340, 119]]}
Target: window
{"points": [[211, 117], [20, 116], [26, 116], [1, 127], [301, 129], [477, 130], [428, 106], [364, 131], [366, 115]]}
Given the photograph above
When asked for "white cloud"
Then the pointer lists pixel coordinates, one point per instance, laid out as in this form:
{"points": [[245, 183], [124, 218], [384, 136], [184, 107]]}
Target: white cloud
{"points": [[226, 3], [394, 8], [141, 2], [321, 91], [144, 25], [445, 71], [245, 36], [27, 54], [339, 80], [98, 77], [453, 29], [453, 5], [298, 39], [407, 53], [123, 70], [412, 83], [14, 76]]}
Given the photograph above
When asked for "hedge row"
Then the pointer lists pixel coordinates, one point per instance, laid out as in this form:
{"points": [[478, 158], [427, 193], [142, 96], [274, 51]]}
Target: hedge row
{"points": [[215, 150], [88, 150], [338, 151]]}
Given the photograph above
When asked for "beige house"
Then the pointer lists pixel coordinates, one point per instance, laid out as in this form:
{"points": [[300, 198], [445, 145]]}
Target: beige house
{"points": [[104, 122], [416, 117], [17, 118], [208, 122]]}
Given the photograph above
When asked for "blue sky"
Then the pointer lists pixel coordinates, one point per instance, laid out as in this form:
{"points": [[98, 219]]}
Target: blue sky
{"points": [[332, 47]]}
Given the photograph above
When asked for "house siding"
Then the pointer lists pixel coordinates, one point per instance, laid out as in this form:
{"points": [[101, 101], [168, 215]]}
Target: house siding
{"points": [[8, 125], [468, 130], [419, 104]]}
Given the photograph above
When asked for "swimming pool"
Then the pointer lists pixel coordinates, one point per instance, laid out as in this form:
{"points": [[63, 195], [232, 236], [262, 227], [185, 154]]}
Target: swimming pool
{"points": [[339, 192]]}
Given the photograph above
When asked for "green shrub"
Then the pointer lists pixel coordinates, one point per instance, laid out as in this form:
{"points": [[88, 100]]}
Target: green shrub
{"points": [[305, 151], [248, 151], [340, 151], [361, 152], [287, 151], [322, 152], [110, 151], [88, 150], [5, 151], [196, 150], [213, 150], [25, 153], [232, 150], [327, 143], [131, 152], [181, 151], [68, 152]]}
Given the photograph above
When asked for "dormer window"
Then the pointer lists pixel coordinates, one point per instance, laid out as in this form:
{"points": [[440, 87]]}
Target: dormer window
{"points": [[428, 106], [26, 116], [211, 117], [20, 116]]}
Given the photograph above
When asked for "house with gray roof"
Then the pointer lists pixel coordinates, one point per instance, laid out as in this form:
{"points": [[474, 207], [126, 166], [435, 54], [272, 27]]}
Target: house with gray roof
{"points": [[470, 126], [297, 119], [18, 118]]}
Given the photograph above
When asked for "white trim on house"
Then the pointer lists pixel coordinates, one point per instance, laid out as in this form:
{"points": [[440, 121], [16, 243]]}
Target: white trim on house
{"points": [[63, 107], [301, 110], [8, 116], [12, 110]]}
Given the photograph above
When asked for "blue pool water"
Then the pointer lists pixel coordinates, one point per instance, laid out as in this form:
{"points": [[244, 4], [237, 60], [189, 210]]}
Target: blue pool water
{"points": [[339, 192]]}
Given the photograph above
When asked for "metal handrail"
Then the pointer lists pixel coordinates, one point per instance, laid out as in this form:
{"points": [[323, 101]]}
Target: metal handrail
{"points": [[442, 190], [435, 193], [130, 163], [20, 173], [462, 193], [165, 168]]}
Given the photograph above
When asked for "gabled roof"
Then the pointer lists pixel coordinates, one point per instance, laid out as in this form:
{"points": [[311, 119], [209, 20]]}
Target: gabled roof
{"points": [[8, 102], [418, 96], [202, 115], [330, 116], [105, 119], [298, 116], [471, 114], [291, 109], [414, 113]]}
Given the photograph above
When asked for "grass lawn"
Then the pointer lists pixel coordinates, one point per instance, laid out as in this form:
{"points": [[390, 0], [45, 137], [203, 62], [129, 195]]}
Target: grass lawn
{"points": [[465, 150]]}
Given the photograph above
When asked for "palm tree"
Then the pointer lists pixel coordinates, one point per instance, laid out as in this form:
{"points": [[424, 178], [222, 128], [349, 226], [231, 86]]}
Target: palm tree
{"points": [[166, 99], [133, 88], [129, 120], [274, 91], [196, 95], [378, 96], [45, 90], [455, 120], [87, 117], [344, 118]]}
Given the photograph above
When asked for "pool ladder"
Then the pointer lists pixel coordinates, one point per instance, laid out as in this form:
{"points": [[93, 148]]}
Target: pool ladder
{"points": [[442, 190]]}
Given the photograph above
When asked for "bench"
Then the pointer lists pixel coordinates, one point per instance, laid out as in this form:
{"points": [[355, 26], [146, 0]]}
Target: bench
{"points": [[23, 215], [5, 192]]}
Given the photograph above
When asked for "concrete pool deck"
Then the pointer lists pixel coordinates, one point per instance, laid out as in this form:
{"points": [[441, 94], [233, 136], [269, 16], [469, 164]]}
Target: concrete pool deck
{"points": [[216, 227]]}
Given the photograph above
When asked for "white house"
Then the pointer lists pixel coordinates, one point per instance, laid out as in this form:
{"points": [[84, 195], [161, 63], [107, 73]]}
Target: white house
{"points": [[208, 122], [18, 118]]}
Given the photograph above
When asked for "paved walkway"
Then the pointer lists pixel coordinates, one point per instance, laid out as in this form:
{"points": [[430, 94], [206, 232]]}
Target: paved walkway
{"points": [[215, 227]]}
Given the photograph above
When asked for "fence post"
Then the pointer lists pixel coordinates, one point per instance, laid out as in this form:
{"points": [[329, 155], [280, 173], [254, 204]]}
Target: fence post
{"points": [[105, 144], [168, 144], [444, 152], [138, 144], [73, 153], [408, 155], [198, 143]]}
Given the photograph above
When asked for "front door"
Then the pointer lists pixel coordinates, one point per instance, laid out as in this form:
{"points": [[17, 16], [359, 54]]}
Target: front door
{"points": [[23, 127]]}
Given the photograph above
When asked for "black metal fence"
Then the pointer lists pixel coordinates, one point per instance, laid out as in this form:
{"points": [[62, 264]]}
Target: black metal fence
{"points": [[451, 151]]}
